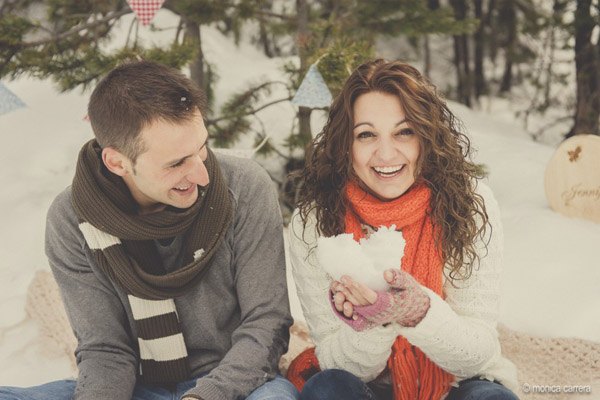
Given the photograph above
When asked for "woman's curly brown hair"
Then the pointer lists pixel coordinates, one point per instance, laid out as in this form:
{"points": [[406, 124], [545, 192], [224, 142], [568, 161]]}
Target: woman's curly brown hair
{"points": [[443, 164]]}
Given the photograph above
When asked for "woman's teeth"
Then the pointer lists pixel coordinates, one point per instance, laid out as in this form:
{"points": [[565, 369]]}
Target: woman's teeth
{"points": [[387, 171]]}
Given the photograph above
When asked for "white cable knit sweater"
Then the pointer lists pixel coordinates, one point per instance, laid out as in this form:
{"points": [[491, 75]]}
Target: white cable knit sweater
{"points": [[458, 333]]}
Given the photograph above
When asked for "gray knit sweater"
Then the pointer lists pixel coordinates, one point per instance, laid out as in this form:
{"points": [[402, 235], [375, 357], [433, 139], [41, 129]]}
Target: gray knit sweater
{"points": [[235, 322]]}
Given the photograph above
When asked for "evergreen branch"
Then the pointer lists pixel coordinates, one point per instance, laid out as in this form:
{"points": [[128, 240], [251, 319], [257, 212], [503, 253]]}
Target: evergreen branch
{"points": [[178, 32], [77, 29], [264, 13], [133, 21], [213, 121], [536, 135], [7, 59], [262, 136]]}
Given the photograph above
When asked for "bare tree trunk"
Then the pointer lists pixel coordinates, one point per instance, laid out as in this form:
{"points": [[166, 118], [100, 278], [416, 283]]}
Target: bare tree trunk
{"points": [[269, 47], [305, 131], [468, 91], [491, 23], [587, 63], [433, 5], [510, 14], [192, 33], [478, 39], [264, 39], [461, 57], [558, 11], [427, 56], [506, 83]]}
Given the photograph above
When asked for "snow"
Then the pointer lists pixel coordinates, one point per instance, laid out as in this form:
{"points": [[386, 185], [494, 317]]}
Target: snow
{"points": [[365, 262], [552, 270]]}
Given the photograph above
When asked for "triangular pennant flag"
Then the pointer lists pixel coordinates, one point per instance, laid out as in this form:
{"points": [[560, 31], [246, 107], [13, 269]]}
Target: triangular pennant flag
{"points": [[313, 92], [8, 100], [145, 9]]}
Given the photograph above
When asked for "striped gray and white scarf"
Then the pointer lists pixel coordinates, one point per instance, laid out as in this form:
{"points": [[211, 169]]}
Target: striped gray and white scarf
{"points": [[122, 243]]}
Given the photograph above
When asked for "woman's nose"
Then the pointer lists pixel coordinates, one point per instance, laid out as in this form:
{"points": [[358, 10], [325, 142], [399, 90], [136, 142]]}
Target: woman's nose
{"points": [[386, 150]]}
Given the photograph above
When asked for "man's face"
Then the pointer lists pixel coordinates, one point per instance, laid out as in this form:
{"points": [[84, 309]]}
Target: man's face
{"points": [[172, 167]]}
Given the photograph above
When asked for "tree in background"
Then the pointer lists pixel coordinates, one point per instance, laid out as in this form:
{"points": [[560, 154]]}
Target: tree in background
{"points": [[339, 34], [503, 30], [587, 64], [568, 28], [66, 40]]}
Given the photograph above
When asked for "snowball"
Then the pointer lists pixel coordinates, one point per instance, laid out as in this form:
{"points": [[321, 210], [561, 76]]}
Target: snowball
{"points": [[364, 262]]}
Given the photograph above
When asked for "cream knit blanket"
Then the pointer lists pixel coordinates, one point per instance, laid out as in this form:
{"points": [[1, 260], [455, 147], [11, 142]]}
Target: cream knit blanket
{"points": [[548, 368]]}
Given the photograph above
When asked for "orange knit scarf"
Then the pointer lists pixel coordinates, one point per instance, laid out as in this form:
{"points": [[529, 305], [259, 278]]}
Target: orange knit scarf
{"points": [[414, 376]]}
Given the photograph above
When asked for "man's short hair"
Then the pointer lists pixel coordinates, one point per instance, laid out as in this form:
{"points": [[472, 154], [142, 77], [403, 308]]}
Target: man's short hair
{"points": [[136, 94]]}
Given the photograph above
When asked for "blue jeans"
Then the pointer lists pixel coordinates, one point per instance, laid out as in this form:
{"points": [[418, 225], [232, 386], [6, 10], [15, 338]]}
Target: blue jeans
{"points": [[278, 388], [334, 384]]}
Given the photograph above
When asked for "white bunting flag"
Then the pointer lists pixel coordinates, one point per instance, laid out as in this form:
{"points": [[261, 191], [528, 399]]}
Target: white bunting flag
{"points": [[8, 100], [313, 92]]}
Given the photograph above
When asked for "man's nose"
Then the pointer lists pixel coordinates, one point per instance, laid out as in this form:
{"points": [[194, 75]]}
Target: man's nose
{"points": [[198, 174]]}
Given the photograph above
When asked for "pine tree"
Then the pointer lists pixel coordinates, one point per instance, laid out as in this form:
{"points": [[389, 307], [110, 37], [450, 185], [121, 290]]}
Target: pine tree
{"points": [[65, 39]]}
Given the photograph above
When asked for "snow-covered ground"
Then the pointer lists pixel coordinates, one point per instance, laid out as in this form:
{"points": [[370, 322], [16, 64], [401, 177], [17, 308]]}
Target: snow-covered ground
{"points": [[552, 272]]}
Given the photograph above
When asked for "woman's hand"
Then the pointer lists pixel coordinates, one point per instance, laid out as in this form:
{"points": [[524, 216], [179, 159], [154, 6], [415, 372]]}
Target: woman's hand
{"points": [[347, 294], [339, 300], [404, 302], [347, 290]]}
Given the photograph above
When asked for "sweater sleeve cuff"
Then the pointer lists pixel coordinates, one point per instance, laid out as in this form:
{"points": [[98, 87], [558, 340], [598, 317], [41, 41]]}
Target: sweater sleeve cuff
{"points": [[206, 391], [437, 316]]}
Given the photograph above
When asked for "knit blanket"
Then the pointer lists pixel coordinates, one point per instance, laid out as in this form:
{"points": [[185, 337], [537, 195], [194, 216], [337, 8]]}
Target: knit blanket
{"points": [[557, 368]]}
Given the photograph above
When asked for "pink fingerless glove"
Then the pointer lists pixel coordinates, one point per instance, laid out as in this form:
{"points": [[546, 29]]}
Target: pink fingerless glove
{"points": [[404, 302]]}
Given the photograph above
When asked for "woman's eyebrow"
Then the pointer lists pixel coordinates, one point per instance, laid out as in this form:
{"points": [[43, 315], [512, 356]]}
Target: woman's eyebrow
{"points": [[372, 126]]}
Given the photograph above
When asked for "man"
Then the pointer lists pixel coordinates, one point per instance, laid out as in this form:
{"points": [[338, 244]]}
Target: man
{"points": [[169, 258]]}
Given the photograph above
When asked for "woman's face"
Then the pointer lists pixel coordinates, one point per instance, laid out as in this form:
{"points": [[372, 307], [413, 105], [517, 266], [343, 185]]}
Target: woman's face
{"points": [[385, 149]]}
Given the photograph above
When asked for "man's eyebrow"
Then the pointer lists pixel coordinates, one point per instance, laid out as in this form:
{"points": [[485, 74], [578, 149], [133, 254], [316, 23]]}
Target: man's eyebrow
{"points": [[372, 126], [177, 161]]}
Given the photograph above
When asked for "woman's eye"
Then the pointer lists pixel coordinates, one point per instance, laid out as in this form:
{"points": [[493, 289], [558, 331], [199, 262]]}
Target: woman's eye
{"points": [[406, 132], [364, 135]]}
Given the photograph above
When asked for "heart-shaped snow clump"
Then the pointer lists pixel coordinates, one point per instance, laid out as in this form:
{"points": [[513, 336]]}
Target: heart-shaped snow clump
{"points": [[363, 261]]}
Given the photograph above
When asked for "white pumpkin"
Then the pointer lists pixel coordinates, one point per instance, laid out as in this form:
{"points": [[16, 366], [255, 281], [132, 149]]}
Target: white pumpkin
{"points": [[572, 179]]}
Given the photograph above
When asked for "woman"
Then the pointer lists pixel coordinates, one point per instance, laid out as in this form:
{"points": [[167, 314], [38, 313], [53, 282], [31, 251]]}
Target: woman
{"points": [[392, 153]]}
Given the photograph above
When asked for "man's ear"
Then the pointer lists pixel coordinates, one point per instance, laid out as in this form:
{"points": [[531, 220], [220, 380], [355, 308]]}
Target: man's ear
{"points": [[115, 161]]}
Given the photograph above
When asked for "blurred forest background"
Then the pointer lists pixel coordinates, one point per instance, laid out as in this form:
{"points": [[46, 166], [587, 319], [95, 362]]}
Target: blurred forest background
{"points": [[544, 55]]}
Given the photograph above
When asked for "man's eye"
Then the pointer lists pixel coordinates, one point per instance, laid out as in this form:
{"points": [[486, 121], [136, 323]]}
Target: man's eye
{"points": [[179, 164]]}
